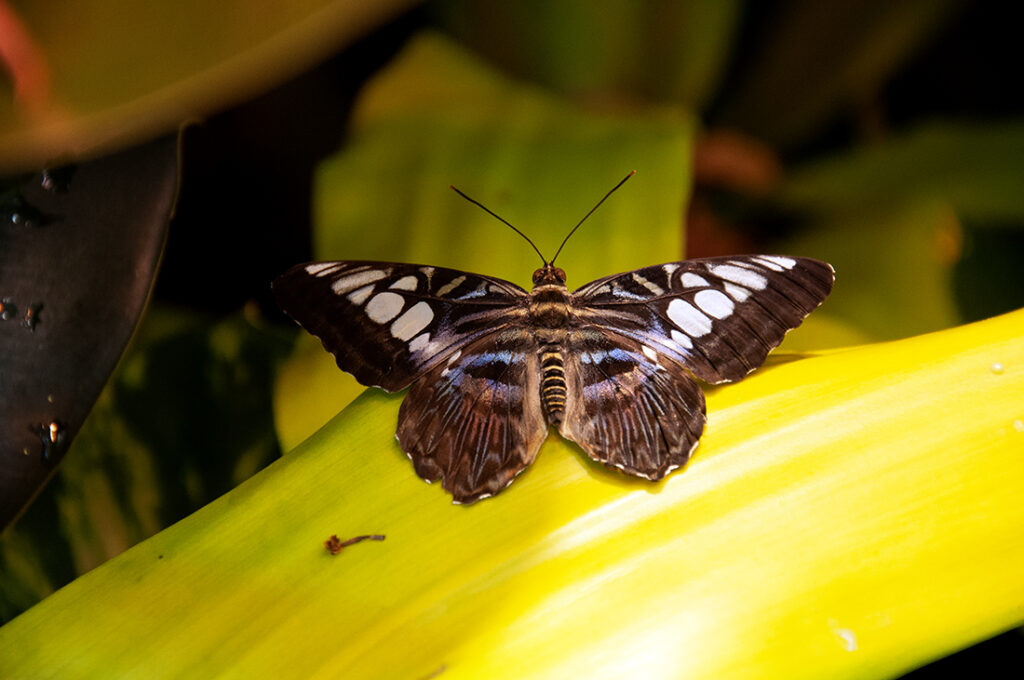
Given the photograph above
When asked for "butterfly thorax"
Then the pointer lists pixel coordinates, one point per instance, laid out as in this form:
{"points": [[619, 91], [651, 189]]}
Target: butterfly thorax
{"points": [[549, 299], [549, 315]]}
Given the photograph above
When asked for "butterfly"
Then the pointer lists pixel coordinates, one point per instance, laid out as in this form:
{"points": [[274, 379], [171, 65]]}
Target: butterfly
{"points": [[611, 365]]}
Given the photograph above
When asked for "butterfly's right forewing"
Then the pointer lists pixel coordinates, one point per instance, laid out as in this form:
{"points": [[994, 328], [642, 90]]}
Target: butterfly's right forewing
{"points": [[720, 316], [631, 401]]}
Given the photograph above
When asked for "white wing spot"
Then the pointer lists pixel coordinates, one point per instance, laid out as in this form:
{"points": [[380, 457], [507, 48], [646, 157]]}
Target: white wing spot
{"points": [[715, 303], [384, 307], [322, 268], [414, 320], [682, 339], [649, 285], [649, 353], [419, 342], [778, 260], [405, 283], [433, 347], [669, 268], [450, 286], [358, 297], [688, 318], [347, 284], [738, 293], [740, 275], [767, 264], [455, 357], [691, 280]]}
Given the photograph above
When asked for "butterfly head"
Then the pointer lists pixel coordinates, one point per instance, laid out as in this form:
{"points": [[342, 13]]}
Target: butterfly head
{"points": [[549, 274]]}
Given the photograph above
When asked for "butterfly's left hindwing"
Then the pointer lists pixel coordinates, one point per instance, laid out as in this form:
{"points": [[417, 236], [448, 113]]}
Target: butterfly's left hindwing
{"points": [[386, 323], [475, 420]]}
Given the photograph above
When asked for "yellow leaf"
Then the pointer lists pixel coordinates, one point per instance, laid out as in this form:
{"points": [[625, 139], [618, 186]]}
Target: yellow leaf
{"points": [[853, 513]]}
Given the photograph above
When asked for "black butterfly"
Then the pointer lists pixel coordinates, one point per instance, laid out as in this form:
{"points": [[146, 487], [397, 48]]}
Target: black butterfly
{"points": [[489, 365]]}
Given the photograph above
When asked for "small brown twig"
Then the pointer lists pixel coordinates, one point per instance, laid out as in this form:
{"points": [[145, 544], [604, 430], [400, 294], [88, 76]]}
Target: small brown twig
{"points": [[335, 545]]}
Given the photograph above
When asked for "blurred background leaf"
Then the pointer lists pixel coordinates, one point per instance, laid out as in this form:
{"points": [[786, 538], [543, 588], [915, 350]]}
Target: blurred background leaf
{"points": [[976, 168], [881, 136], [89, 76], [820, 60], [622, 51]]}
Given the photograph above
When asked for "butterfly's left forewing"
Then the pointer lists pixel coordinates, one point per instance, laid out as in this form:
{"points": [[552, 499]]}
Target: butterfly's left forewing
{"points": [[388, 323]]}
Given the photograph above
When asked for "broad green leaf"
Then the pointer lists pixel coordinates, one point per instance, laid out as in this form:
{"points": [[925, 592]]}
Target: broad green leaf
{"points": [[893, 265], [857, 510], [889, 217], [438, 117], [976, 168]]}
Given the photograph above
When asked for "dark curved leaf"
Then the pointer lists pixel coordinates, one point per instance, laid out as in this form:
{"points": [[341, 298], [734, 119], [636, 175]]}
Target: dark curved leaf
{"points": [[73, 281]]}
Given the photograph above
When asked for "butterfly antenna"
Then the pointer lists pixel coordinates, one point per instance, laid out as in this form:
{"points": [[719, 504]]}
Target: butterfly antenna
{"points": [[500, 218], [566, 239]]}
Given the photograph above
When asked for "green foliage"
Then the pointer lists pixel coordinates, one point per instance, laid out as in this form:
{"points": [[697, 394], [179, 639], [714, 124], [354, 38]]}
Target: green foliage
{"points": [[185, 418], [855, 498]]}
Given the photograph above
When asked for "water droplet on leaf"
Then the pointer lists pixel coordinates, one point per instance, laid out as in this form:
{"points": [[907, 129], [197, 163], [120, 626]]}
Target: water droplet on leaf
{"points": [[53, 438]]}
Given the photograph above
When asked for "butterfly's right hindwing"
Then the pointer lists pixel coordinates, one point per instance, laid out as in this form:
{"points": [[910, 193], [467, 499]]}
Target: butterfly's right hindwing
{"points": [[627, 407], [387, 323]]}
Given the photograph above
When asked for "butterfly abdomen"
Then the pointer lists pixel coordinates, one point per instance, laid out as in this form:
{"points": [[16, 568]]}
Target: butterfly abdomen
{"points": [[549, 316], [552, 385]]}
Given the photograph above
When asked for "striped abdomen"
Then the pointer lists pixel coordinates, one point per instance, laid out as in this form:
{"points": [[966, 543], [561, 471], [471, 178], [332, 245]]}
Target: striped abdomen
{"points": [[552, 386]]}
